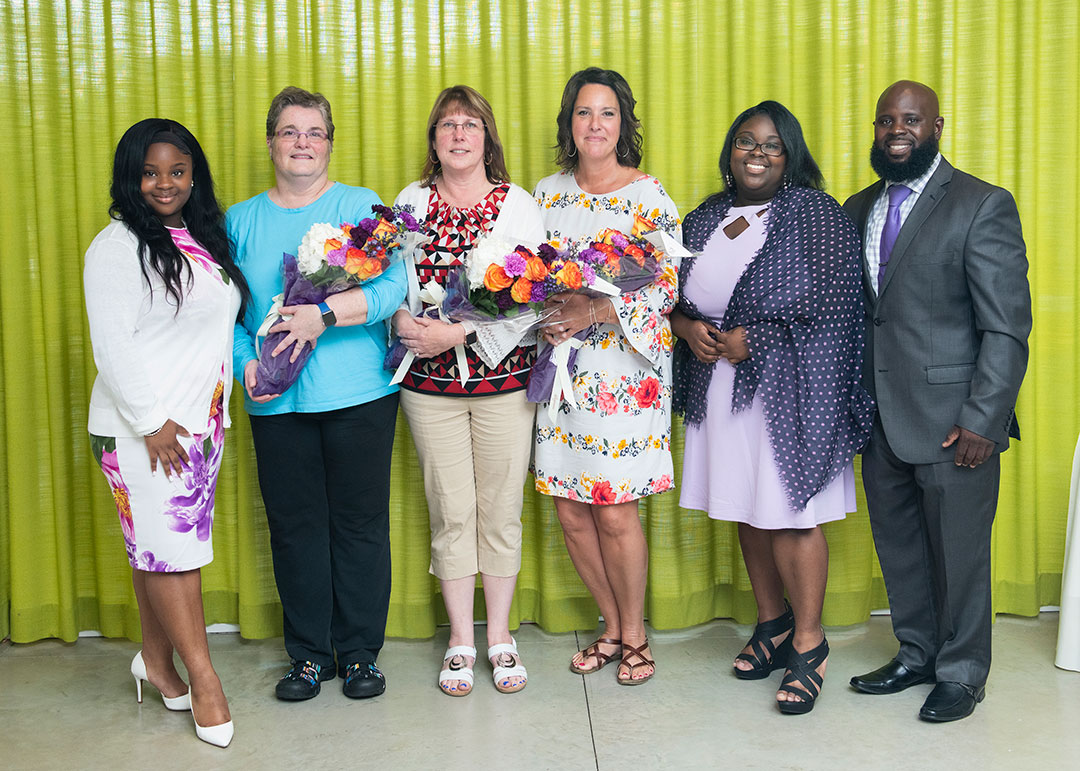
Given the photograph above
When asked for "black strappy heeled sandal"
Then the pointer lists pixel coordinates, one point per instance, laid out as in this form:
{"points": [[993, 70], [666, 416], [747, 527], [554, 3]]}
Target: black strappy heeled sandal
{"points": [[767, 657], [802, 669]]}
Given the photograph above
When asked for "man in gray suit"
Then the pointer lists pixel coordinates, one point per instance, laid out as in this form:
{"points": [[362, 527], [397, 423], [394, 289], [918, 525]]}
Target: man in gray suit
{"points": [[948, 316]]}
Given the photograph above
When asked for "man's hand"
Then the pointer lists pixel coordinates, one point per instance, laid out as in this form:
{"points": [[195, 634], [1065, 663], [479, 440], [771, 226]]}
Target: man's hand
{"points": [[971, 449]]}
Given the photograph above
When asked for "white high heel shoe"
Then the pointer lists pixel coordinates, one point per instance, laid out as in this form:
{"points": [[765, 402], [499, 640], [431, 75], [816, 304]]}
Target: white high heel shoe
{"points": [[218, 735], [138, 671]]}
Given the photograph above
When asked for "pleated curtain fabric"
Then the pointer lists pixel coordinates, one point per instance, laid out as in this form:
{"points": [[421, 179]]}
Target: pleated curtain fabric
{"points": [[74, 74]]}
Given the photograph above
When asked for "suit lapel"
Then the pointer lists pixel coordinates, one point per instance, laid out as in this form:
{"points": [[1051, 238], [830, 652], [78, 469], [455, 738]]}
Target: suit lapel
{"points": [[935, 190]]}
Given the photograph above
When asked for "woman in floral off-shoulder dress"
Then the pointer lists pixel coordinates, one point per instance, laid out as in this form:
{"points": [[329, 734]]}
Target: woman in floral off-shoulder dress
{"points": [[615, 448]]}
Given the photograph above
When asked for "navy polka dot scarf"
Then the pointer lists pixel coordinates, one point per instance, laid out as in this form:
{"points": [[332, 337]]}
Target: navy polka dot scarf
{"points": [[801, 304]]}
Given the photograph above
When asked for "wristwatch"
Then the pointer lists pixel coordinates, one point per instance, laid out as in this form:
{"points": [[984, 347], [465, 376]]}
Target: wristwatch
{"points": [[328, 317], [470, 338]]}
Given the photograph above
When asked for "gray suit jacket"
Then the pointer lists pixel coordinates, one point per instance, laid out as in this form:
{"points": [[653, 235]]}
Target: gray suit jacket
{"points": [[946, 336]]}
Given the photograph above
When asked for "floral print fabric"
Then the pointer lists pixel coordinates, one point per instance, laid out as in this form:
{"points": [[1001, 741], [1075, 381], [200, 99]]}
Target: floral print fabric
{"points": [[616, 446], [166, 522]]}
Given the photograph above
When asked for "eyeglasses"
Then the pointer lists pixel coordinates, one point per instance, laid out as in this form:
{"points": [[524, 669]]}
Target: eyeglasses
{"points": [[317, 136], [471, 128], [748, 145]]}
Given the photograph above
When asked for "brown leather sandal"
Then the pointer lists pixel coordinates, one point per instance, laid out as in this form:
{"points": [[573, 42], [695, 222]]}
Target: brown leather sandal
{"points": [[593, 650], [629, 652]]}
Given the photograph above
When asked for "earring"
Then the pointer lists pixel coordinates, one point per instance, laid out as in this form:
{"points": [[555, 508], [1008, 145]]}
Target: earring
{"points": [[621, 155], [729, 180], [573, 150], [487, 159]]}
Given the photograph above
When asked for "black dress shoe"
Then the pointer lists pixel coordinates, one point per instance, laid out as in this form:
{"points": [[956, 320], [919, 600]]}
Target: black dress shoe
{"points": [[363, 680], [302, 681], [951, 701], [891, 678]]}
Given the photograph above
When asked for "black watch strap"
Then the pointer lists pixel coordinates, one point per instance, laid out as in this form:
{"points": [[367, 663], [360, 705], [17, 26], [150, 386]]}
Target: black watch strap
{"points": [[470, 338]]}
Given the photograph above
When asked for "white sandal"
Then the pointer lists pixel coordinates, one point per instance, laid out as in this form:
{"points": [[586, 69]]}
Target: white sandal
{"points": [[456, 671], [502, 672]]}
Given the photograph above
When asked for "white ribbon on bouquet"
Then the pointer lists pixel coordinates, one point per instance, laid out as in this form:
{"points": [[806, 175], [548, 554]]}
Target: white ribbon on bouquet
{"points": [[433, 294], [273, 316], [562, 387]]}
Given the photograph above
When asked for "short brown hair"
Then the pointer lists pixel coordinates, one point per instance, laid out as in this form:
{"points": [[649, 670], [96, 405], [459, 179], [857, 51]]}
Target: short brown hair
{"points": [[291, 96], [629, 130], [469, 101]]}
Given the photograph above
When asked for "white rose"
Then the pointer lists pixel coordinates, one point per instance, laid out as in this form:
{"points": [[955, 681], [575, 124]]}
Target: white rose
{"points": [[311, 255], [488, 249]]}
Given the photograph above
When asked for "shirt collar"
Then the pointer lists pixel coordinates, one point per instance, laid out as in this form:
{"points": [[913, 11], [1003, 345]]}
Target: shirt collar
{"points": [[919, 183]]}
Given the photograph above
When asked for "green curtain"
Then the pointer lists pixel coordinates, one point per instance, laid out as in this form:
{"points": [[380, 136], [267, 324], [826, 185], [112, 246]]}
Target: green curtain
{"points": [[75, 73]]}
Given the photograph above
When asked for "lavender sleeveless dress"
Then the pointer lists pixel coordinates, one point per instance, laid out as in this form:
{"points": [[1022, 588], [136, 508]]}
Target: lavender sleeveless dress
{"points": [[728, 466]]}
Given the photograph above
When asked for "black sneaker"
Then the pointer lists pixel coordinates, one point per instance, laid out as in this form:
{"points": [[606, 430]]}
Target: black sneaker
{"points": [[302, 681], [362, 681]]}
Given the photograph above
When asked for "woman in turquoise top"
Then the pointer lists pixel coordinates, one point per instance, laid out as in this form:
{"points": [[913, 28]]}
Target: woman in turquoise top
{"points": [[328, 513]]}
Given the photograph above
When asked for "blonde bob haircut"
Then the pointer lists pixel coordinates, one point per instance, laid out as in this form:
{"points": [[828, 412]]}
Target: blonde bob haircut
{"points": [[467, 100]]}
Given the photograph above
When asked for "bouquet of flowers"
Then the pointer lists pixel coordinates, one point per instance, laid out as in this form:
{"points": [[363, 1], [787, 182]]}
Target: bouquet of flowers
{"points": [[330, 260], [621, 264]]}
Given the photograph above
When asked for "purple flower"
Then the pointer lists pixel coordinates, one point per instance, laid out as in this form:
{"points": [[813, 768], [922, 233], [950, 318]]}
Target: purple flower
{"points": [[588, 274], [515, 264], [409, 220], [148, 562], [368, 225], [547, 252], [591, 255], [504, 300], [618, 240], [383, 211], [336, 257], [195, 509], [538, 293]]}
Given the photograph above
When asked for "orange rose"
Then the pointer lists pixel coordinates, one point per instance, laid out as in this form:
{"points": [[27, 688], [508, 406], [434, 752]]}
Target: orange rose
{"points": [[495, 278], [330, 245], [569, 275], [642, 225], [535, 269], [636, 253], [521, 291], [604, 236], [369, 268], [383, 227]]}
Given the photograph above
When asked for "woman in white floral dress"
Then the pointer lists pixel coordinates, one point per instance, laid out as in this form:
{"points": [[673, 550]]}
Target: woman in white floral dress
{"points": [[599, 459]]}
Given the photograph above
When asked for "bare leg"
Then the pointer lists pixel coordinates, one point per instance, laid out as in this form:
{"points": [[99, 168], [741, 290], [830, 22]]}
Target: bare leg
{"points": [[802, 557], [583, 544], [626, 562], [458, 597], [757, 550], [176, 600], [498, 596], [157, 649]]}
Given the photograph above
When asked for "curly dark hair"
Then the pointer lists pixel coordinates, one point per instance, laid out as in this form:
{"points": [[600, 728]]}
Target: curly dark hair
{"points": [[629, 132], [202, 213], [800, 168]]}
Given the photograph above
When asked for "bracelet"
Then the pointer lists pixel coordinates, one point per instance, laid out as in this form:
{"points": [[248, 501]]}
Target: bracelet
{"points": [[156, 431]]}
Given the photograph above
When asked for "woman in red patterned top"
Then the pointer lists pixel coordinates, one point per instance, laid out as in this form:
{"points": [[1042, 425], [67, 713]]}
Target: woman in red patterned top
{"points": [[473, 430]]}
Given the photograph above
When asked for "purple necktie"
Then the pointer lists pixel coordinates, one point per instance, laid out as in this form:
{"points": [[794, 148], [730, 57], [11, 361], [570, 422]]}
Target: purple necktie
{"points": [[897, 195]]}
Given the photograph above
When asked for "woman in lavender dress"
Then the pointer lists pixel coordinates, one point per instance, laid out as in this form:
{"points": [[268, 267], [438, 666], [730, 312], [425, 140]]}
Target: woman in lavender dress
{"points": [[767, 378], [162, 296]]}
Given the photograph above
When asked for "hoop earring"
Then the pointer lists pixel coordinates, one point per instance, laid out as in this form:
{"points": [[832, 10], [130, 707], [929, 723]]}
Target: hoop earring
{"points": [[487, 159], [621, 155], [573, 150]]}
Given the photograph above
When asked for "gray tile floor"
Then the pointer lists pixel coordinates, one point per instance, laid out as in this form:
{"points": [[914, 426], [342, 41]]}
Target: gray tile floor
{"points": [[72, 706]]}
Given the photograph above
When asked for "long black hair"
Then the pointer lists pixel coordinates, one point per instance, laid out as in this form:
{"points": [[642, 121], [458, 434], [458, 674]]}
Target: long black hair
{"points": [[202, 213], [800, 168]]}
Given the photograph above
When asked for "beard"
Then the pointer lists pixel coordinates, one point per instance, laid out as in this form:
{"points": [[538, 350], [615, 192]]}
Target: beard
{"points": [[918, 162]]}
